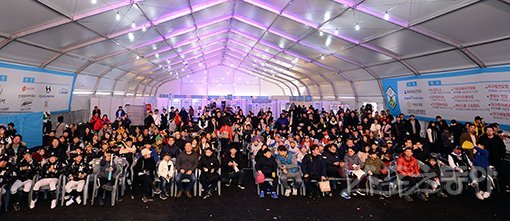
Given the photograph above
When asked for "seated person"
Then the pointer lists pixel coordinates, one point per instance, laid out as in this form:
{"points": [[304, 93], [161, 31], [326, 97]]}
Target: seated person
{"points": [[143, 172], [409, 172], [314, 169], [26, 169], [166, 171], [7, 174], [76, 173], [481, 162], [433, 174], [376, 170], [287, 162], [232, 168], [353, 166], [267, 165], [105, 176], [48, 176], [187, 163], [209, 166]]}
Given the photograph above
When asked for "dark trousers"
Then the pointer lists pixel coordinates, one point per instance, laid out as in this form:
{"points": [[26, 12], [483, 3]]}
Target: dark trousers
{"points": [[267, 186], [144, 184], [312, 189], [209, 181], [233, 176]]}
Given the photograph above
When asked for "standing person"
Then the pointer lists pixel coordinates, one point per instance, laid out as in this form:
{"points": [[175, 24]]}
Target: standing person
{"points": [[481, 162], [456, 130], [226, 134], [26, 169], [267, 165], [95, 121], [166, 171], [157, 118], [287, 162], [48, 176], [143, 172], [77, 173], [209, 166], [314, 168], [164, 119], [413, 127], [497, 149], [149, 120], [184, 116], [61, 126], [187, 163], [119, 113], [433, 137]]}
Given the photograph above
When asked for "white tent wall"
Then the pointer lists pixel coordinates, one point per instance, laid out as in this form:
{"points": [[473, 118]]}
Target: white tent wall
{"points": [[221, 80]]}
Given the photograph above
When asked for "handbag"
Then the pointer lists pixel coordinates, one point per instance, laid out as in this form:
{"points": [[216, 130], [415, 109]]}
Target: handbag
{"points": [[324, 186], [259, 178]]}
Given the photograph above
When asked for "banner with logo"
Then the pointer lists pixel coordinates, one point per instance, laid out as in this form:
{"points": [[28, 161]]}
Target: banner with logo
{"points": [[30, 89], [455, 95]]}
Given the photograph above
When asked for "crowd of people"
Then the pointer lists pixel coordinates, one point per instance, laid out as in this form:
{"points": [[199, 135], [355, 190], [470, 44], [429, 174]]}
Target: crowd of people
{"points": [[302, 149]]}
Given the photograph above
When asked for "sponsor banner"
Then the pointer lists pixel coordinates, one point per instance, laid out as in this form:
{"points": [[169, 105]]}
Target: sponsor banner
{"points": [[455, 95], [30, 89]]}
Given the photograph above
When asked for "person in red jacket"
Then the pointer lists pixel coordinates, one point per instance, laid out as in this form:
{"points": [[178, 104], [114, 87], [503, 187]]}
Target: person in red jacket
{"points": [[409, 172], [96, 122]]}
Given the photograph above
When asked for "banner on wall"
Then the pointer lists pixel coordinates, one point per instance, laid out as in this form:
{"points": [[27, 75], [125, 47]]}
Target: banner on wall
{"points": [[456, 95], [29, 125], [30, 89]]}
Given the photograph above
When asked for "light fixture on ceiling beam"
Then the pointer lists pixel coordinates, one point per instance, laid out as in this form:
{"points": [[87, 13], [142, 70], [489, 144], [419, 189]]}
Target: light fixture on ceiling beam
{"points": [[131, 36], [137, 57], [156, 55], [144, 28], [117, 16], [93, 2], [386, 16], [357, 27], [133, 25], [321, 33]]}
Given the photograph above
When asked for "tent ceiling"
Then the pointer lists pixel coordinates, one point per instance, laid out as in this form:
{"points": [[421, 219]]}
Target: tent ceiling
{"points": [[301, 45]]}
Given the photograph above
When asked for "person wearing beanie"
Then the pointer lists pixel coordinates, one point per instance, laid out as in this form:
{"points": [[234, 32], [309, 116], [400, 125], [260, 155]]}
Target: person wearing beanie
{"points": [[49, 175], [209, 177], [143, 172], [376, 171], [267, 165], [26, 169], [77, 173]]}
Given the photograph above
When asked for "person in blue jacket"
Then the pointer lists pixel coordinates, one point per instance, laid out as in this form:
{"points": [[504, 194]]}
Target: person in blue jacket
{"points": [[481, 163]]}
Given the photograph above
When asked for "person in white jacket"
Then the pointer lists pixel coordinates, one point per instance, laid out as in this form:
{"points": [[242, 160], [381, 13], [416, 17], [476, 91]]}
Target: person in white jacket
{"points": [[166, 172], [157, 118]]}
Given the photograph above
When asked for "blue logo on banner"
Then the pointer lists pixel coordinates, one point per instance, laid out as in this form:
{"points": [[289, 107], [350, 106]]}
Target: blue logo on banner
{"points": [[412, 84], [435, 83], [28, 80], [3, 77]]}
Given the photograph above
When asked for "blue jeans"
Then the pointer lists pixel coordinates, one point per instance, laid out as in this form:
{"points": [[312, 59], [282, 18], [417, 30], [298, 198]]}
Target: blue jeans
{"points": [[180, 176], [165, 185]]}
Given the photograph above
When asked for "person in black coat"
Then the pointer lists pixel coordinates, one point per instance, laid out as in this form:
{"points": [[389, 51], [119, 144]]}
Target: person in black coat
{"points": [[314, 168], [17, 148], [232, 168], [267, 165], [413, 128], [209, 166], [144, 175]]}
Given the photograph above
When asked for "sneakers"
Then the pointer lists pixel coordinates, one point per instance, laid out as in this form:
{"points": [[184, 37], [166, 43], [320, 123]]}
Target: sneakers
{"points": [[78, 200], [208, 194], [345, 195], [32, 203], [69, 202], [157, 191], [287, 192], [261, 194], [145, 200], [163, 196], [358, 191], [442, 195], [294, 191], [486, 195], [100, 201], [179, 194], [53, 204], [241, 187], [408, 198], [479, 195], [16, 206], [274, 195], [188, 194], [423, 197]]}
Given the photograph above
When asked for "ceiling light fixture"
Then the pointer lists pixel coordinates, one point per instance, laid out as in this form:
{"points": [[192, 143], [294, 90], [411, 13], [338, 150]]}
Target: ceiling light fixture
{"points": [[157, 55], [144, 29], [131, 36], [357, 27], [321, 33], [137, 57], [386, 16], [133, 25], [322, 57], [93, 2], [117, 16]]}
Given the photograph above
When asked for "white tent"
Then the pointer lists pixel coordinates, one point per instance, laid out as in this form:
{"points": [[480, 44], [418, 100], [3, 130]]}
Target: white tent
{"points": [[328, 49]]}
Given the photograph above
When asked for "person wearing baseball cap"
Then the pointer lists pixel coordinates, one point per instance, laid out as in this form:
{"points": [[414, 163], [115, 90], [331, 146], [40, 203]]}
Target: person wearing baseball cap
{"points": [[479, 126], [76, 173], [26, 169], [144, 174], [48, 176]]}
